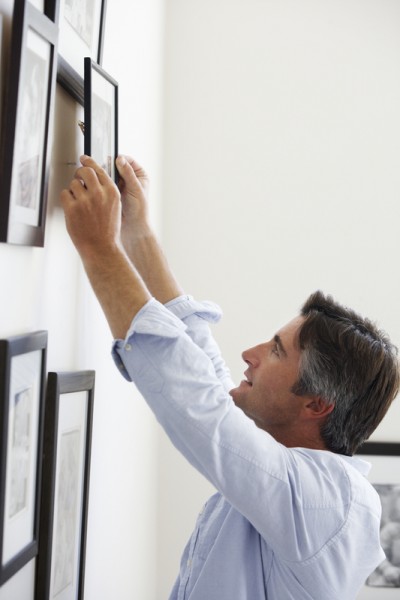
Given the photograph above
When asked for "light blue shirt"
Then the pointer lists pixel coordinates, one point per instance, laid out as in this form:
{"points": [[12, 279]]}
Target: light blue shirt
{"points": [[286, 523]]}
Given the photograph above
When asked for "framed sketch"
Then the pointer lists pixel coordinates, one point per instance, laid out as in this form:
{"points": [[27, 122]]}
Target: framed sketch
{"points": [[384, 582], [81, 25], [22, 380], [29, 104], [65, 488], [101, 117]]}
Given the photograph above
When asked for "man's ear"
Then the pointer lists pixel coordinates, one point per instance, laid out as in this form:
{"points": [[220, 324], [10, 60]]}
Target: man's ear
{"points": [[317, 408]]}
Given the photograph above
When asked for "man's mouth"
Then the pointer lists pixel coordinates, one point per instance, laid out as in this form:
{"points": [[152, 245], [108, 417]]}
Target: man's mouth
{"points": [[247, 380]]}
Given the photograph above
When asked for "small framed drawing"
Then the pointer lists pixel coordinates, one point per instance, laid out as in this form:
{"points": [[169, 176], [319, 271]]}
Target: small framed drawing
{"points": [[65, 488], [101, 117], [385, 477], [22, 379], [81, 34], [29, 106]]}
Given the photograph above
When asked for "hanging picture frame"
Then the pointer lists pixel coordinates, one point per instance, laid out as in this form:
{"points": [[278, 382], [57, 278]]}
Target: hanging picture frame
{"points": [[101, 117], [81, 34], [65, 487], [26, 130], [385, 477], [22, 377]]}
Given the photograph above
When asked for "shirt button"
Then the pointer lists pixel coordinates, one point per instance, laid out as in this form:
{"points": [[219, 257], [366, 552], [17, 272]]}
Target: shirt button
{"points": [[128, 347]]}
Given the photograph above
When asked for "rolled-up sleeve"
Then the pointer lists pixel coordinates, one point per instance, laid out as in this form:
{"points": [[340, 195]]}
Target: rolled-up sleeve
{"points": [[197, 316]]}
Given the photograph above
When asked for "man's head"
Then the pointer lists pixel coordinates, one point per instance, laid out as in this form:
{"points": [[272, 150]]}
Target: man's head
{"points": [[349, 363], [325, 380]]}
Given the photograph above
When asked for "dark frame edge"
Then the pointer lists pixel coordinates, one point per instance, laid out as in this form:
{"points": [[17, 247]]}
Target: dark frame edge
{"points": [[380, 448]]}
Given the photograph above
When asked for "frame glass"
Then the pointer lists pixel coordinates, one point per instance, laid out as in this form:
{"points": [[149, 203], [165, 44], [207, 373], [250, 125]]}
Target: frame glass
{"points": [[101, 117], [65, 488], [81, 34], [29, 106], [385, 477], [22, 376]]}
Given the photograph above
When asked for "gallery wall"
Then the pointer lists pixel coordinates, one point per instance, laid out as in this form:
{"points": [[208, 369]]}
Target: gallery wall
{"points": [[282, 176], [271, 140], [45, 288]]}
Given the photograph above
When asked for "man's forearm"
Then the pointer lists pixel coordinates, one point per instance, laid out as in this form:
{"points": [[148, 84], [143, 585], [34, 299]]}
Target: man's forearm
{"points": [[145, 253], [118, 287]]}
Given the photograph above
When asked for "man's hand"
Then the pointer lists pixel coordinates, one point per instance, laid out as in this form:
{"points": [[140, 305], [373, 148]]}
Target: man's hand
{"points": [[138, 239], [92, 210], [134, 188], [92, 207]]}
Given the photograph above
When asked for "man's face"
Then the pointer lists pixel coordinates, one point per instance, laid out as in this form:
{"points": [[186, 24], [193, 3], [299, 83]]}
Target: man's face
{"points": [[265, 394]]}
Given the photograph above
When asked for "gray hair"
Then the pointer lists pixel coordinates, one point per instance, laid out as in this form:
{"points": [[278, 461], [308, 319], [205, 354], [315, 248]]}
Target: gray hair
{"points": [[349, 362]]}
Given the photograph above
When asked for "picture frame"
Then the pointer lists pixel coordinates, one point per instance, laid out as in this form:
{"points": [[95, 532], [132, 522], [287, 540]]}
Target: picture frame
{"points": [[22, 377], [25, 153], [65, 488], [1, 72], [101, 117], [385, 477], [82, 27]]}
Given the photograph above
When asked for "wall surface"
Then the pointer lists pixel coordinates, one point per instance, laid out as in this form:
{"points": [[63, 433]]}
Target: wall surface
{"points": [[281, 176], [45, 288]]}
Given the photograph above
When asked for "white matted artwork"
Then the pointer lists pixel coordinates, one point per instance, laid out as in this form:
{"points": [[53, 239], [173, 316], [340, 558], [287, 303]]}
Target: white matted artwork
{"points": [[81, 30], [69, 482], [65, 489], [22, 369], [22, 445], [31, 130], [27, 129], [384, 582]]}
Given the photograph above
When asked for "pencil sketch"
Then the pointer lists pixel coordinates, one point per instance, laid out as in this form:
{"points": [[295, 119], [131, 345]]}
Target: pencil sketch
{"points": [[66, 495], [102, 133], [21, 451], [79, 14], [30, 131]]}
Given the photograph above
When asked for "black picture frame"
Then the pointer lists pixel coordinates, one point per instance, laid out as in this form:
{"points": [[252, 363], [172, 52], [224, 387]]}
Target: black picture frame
{"points": [[73, 48], [66, 467], [101, 117], [385, 477], [25, 153], [22, 380]]}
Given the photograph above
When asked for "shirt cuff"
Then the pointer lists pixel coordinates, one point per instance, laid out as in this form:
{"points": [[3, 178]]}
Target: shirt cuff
{"points": [[152, 319], [185, 306]]}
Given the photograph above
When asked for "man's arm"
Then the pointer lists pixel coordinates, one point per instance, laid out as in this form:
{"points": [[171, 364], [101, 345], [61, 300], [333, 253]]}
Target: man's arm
{"points": [[145, 253], [93, 218], [138, 238]]}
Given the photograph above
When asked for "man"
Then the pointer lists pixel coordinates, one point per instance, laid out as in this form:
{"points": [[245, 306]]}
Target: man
{"points": [[294, 516]]}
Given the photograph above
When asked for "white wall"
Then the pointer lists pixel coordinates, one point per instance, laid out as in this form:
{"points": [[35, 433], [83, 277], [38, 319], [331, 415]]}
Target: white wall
{"points": [[46, 289], [281, 176]]}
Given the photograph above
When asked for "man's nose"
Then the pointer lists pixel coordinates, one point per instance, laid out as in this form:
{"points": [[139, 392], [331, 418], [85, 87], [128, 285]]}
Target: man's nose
{"points": [[251, 356]]}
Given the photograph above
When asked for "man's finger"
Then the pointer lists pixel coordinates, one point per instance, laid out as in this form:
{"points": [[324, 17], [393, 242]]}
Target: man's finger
{"points": [[101, 174], [77, 188], [139, 171], [128, 174]]}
